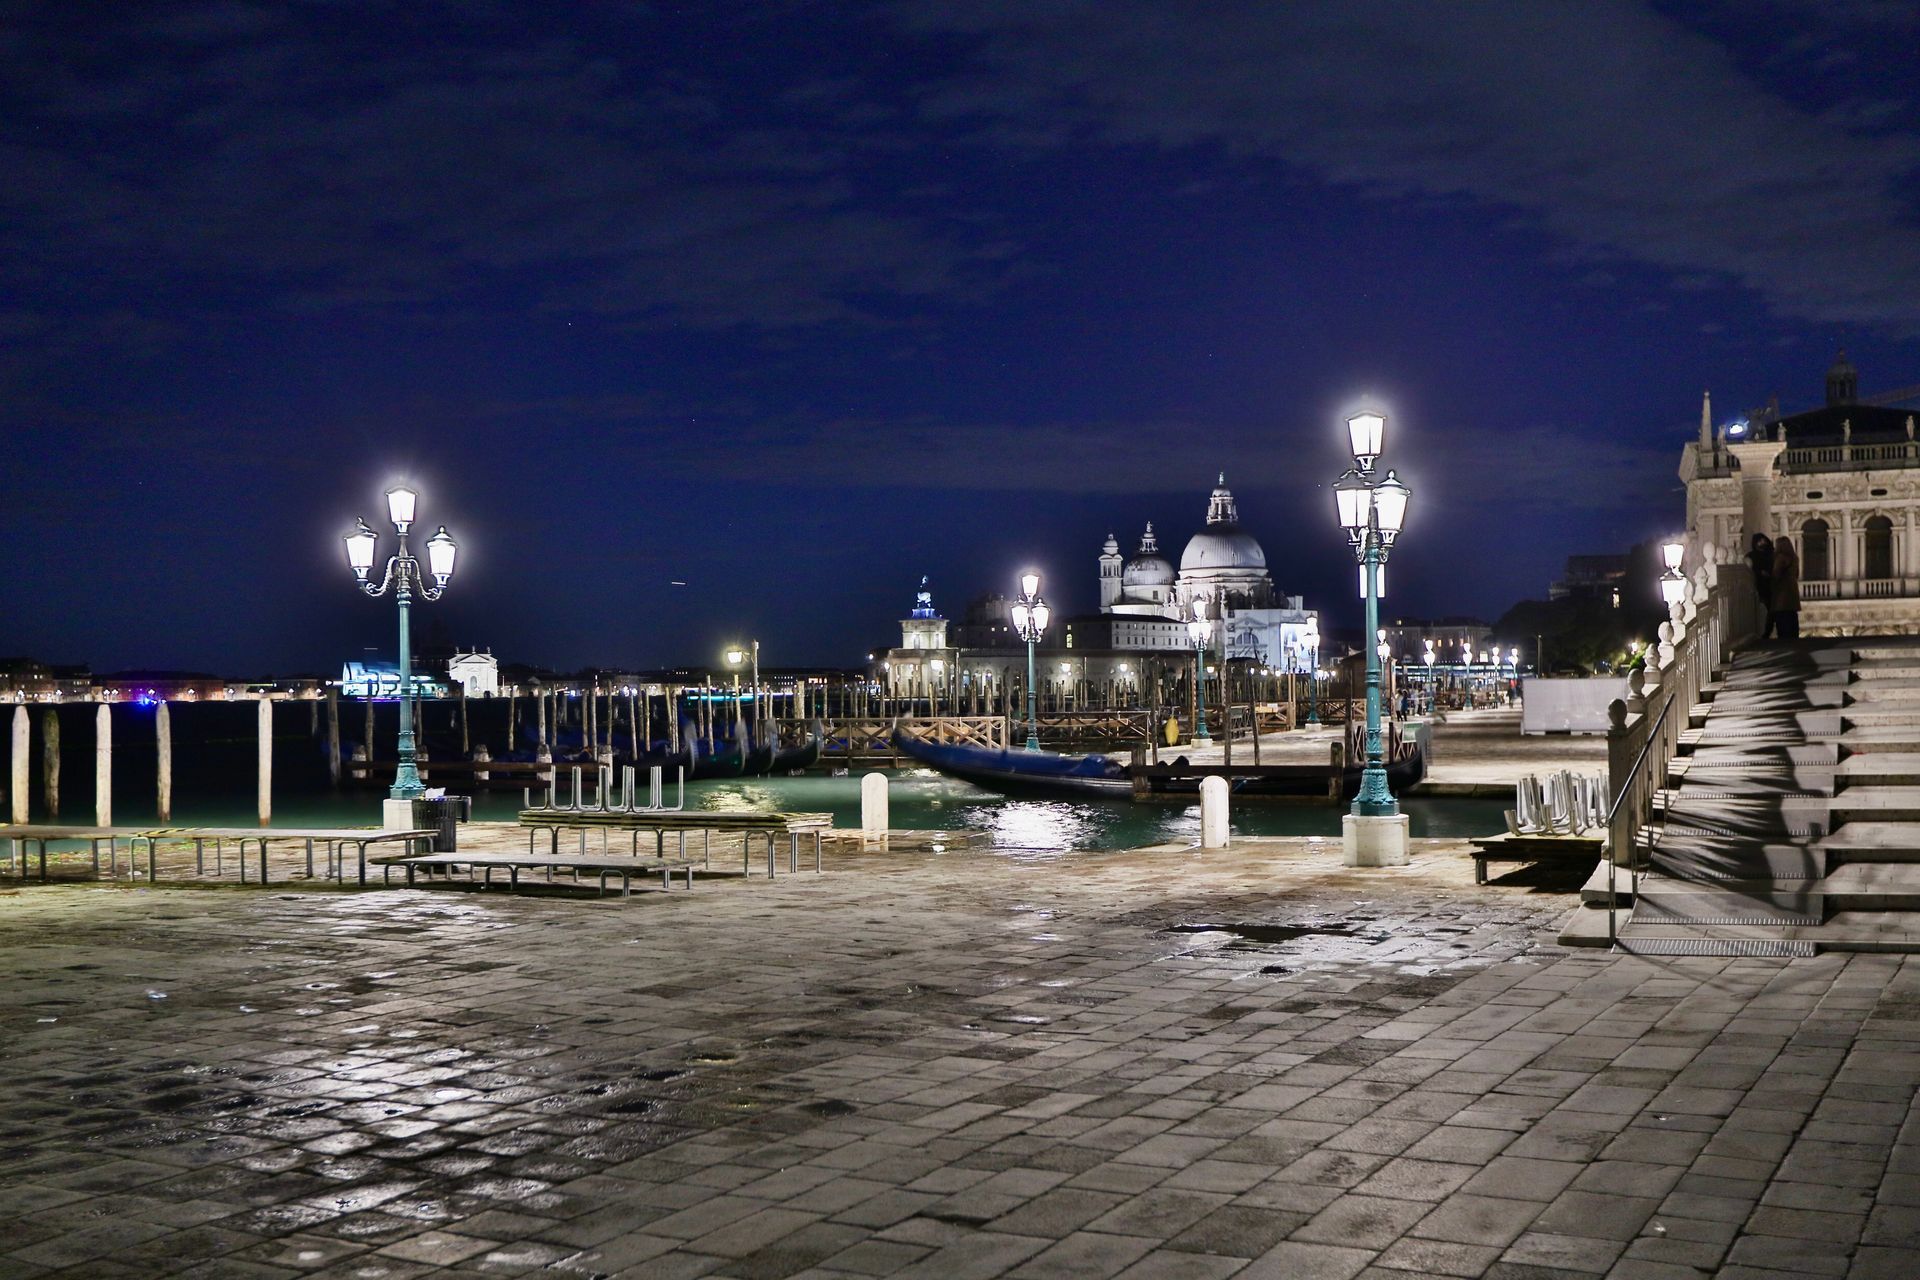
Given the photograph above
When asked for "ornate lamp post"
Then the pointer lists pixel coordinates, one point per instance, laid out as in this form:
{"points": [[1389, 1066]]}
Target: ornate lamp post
{"points": [[1030, 614], [1200, 627], [404, 578], [1428, 658], [1311, 639], [1372, 508]]}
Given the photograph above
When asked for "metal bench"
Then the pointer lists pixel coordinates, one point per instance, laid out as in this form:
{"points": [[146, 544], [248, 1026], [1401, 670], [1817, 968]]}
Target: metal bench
{"points": [[514, 864], [794, 826], [335, 839]]}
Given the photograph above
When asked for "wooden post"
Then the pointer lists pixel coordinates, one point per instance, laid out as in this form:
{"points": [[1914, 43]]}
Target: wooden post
{"points": [[163, 755], [369, 739], [540, 714], [266, 762], [673, 718], [50, 759], [513, 720], [466, 743], [102, 767], [333, 736], [313, 719], [22, 744]]}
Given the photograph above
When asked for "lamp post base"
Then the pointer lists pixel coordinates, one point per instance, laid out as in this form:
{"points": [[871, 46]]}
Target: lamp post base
{"points": [[396, 815], [1375, 842]]}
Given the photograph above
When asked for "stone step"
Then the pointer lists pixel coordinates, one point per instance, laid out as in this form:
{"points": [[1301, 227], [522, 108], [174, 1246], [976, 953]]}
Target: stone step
{"points": [[1880, 768], [1877, 738], [1872, 886], [1880, 715], [1890, 931], [1898, 689], [1782, 818], [1662, 899], [1873, 841], [1707, 857], [1757, 780], [1776, 700], [1792, 755]]}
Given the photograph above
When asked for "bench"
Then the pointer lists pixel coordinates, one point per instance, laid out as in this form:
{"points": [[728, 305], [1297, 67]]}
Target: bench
{"points": [[514, 864], [334, 838], [794, 826], [1507, 847]]}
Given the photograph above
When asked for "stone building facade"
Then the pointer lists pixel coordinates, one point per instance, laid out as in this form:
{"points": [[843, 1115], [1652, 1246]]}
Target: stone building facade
{"points": [[1841, 481]]}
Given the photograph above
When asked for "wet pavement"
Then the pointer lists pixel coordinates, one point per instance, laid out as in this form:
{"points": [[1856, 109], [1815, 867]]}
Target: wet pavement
{"points": [[1254, 1063]]}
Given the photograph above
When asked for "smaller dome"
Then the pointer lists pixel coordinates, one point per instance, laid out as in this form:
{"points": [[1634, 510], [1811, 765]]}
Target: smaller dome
{"points": [[1148, 568], [1147, 571]]}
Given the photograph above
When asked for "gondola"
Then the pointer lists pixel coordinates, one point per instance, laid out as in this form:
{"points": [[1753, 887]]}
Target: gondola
{"points": [[804, 756], [717, 760], [1047, 773], [1019, 773]]}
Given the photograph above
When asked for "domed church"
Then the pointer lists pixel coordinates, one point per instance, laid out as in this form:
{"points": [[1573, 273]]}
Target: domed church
{"points": [[1222, 565]]}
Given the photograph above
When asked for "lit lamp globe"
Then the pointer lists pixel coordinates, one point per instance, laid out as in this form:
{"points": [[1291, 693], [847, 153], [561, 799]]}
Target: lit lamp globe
{"points": [[360, 545], [441, 550], [401, 502]]}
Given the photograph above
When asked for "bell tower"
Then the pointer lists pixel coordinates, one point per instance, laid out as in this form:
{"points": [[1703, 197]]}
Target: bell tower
{"points": [[1110, 567]]}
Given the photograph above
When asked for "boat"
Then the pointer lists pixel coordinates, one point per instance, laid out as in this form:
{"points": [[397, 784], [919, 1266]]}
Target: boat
{"points": [[1048, 773], [804, 756], [716, 760], [1023, 772]]}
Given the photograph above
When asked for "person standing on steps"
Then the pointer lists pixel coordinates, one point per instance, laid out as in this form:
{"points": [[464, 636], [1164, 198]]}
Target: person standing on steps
{"points": [[1760, 557], [1786, 589]]}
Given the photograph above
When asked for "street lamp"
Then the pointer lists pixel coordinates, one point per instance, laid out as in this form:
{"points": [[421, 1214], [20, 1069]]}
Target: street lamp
{"points": [[1311, 639], [1030, 614], [1200, 627], [1428, 658], [1372, 509], [403, 576], [1673, 583]]}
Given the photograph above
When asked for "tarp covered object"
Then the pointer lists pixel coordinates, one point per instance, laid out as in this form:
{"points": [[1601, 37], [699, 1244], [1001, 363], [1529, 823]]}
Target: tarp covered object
{"points": [[1558, 705]]}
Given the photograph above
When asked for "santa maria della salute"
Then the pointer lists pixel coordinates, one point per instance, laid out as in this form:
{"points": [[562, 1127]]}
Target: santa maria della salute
{"points": [[1145, 603]]}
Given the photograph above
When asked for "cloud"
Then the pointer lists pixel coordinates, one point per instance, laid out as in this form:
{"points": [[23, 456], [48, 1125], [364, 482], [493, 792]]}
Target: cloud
{"points": [[1616, 128], [286, 154]]}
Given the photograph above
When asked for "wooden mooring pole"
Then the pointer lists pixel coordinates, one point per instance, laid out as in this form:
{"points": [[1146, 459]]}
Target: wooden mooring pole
{"points": [[333, 737], [163, 762], [50, 758], [22, 744], [266, 762], [103, 767]]}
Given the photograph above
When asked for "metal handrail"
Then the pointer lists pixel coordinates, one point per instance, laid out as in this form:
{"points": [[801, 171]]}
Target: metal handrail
{"points": [[1613, 855]]}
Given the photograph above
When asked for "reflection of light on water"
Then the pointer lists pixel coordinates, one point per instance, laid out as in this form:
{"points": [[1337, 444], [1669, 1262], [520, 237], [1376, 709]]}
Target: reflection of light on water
{"points": [[1039, 826]]}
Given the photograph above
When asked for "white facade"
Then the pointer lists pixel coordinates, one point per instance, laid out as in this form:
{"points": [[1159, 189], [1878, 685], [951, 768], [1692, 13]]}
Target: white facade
{"points": [[1842, 482], [478, 672], [1223, 566]]}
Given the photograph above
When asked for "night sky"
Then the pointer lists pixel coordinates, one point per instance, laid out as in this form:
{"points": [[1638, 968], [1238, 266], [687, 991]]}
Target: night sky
{"points": [[794, 303]]}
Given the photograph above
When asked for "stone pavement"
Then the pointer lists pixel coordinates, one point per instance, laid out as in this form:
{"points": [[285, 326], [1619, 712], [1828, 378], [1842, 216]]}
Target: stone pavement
{"points": [[1254, 1063]]}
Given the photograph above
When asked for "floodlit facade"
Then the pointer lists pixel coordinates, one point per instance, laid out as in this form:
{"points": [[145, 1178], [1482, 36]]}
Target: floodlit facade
{"points": [[1841, 481], [478, 672]]}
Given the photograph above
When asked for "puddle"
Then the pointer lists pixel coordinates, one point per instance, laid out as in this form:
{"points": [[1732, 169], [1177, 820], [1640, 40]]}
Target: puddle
{"points": [[1268, 934]]}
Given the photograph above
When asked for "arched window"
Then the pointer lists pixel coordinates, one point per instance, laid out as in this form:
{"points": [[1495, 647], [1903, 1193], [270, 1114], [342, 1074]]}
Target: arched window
{"points": [[1877, 547], [1815, 563]]}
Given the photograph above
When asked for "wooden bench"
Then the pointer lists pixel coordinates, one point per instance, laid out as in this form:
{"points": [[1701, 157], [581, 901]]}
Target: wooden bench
{"points": [[1507, 847], [794, 826]]}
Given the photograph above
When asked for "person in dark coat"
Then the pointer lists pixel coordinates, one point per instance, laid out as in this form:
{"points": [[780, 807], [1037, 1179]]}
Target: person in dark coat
{"points": [[1760, 557], [1786, 589]]}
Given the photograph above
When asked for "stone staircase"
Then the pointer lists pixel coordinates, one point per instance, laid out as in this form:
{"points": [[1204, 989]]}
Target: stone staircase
{"points": [[1790, 821]]}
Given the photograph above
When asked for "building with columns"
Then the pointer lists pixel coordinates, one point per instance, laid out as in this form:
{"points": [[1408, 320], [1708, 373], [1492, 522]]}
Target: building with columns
{"points": [[1841, 481]]}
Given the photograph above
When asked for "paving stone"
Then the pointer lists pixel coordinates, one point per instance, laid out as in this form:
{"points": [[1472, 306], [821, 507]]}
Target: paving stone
{"points": [[464, 1095]]}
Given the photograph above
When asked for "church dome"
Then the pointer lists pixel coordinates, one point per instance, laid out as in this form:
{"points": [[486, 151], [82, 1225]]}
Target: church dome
{"points": [[1222, 544], [1222, 547], [1148, 568]]}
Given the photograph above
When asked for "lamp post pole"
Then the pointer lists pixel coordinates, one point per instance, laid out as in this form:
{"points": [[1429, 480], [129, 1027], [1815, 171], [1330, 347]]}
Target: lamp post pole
{"points": [[1200, 627], [1030, 614], [1312, 641], [403, 578], [1372, 508]]}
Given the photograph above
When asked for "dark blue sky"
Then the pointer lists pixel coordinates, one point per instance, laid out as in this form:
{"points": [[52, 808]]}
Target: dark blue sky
{"points": [[796, 302]]}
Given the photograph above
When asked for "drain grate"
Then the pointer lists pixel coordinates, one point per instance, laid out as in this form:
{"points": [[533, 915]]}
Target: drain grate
{"points": [[1659, 917], [1714, 947]]}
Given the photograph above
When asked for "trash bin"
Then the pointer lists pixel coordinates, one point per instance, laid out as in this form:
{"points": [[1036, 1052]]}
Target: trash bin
{"points": [[440, 816]]}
